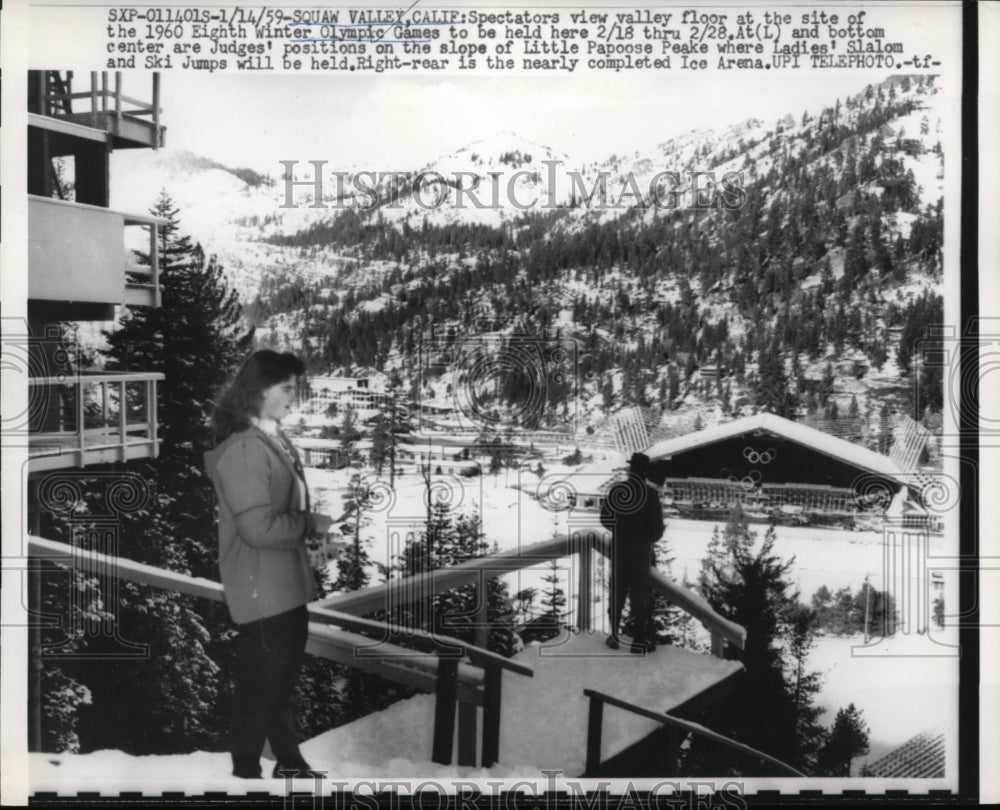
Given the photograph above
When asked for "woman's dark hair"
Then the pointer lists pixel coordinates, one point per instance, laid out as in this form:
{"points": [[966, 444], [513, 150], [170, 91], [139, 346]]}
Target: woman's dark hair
{"points": [[242, 399]]}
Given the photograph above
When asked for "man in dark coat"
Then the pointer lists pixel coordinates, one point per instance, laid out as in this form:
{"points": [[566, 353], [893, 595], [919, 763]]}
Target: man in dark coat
{"points": [[632, 512]]}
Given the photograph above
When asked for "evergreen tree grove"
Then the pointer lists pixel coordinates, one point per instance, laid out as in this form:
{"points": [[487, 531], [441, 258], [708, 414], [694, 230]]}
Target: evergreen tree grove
{"points": [[196, 340], [772, 709], [172, 694]]}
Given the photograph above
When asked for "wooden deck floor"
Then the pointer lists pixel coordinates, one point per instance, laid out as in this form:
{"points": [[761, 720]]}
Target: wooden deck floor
{"points": [[544, 723]]}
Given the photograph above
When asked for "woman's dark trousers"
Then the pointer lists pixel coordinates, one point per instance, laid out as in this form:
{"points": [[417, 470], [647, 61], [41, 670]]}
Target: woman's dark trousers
{"points": [[269, 656]]}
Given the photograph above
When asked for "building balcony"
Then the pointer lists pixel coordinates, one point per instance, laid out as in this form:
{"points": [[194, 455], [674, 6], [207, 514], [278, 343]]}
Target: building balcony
{"points": [[78, 257], [123, 122], [92, 418]]}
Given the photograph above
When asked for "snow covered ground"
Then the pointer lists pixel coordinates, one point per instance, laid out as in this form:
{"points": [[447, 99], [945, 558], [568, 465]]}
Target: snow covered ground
{"points": [[513, 517], [114, 772], [544, 718], [902, 689]]}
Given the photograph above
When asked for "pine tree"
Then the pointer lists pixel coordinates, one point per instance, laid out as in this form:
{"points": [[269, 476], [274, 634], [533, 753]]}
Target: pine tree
{"points": [[171, 695], [450, 539], [553, 616], [349, 434], [847, 739], [772, 391], [885, 433], [381, 449], [801, 623], [195, 338], [400, 421], [351, 573], [749, 585]]}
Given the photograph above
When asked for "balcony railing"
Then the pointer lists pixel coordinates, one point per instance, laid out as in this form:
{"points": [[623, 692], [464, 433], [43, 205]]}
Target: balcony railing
{"points": [[78, 253], [736, 749], [92, 418], [104, 106]]}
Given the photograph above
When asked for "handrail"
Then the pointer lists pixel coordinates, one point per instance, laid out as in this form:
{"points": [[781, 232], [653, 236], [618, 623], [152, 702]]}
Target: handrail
{"points": [[84, 377], [143, 106], [137, 219], [670, 720], [103, 92], [470, 572], [421, 639], [144, 574], [428, 583], [451, 678], [124, 568], [692, 602]]}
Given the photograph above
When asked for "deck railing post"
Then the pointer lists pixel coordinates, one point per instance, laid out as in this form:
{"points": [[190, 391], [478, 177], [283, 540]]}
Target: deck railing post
{"points": [[154, 261], [482, 617], [151, 416], [122, 420], [118, 99], [156, 111], [718, 645], [467, 718], [93, 97], [584, 598], [444, 709], [80, 427], [595, 721], [492, 685]]}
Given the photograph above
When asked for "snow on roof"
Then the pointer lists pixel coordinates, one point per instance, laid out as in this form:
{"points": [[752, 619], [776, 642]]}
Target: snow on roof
{"points": [[840, 449], [921, 757]]}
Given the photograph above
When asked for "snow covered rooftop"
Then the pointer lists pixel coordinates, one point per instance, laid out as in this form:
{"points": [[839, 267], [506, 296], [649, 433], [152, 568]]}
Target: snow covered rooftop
{"points": [[840, 449]]}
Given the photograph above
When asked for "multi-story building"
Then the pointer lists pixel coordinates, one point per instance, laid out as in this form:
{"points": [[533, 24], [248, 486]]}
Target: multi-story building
{"points": [[79, 268], [359, 393]]}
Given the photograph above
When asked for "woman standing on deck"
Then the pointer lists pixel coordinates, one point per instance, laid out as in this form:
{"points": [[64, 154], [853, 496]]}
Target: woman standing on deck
{"points": [[264, 520]]}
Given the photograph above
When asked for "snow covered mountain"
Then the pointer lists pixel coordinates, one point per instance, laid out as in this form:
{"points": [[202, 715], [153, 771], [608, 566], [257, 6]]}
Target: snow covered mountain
{"points": [[819, 236]]}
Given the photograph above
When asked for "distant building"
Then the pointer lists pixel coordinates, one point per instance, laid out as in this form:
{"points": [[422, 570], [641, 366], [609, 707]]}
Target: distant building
{"points": [[329, 548], [360, 393], [444, 457], [777, 468], [327, 452]]}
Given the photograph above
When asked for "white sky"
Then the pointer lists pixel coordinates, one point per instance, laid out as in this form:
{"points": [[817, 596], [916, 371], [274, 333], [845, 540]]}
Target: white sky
{"points": [[395, 121], [401, 122]]}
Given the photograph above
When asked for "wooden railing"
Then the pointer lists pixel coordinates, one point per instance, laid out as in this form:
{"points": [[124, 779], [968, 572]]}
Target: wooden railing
{"points": [[475, 571], [478, 571], [595, 722], [144, 279], [430, 662], [84, 418], [58, 98]]}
